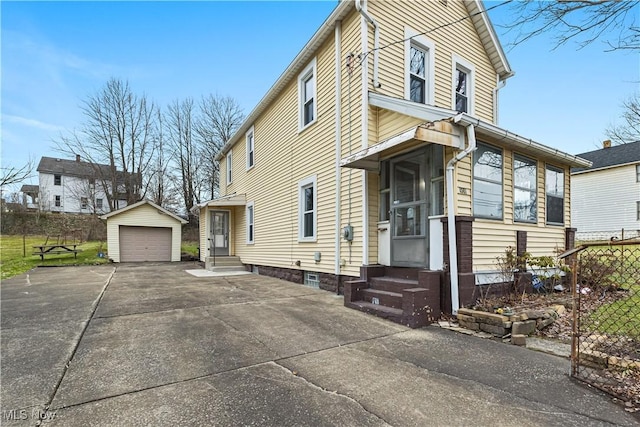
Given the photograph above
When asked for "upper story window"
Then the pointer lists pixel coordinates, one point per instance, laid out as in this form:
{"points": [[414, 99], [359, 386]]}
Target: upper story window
{"points": [[84, 203], [229, 167], [307, 210], [250, 148], [419, 68], [555, 195], [463, 85], [250, 223], [487, 182], [525, 195], [57, 179], [638, 173], [99, 203], [308, 109]]}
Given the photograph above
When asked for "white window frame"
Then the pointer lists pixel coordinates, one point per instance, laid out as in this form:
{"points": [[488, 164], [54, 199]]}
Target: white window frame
{"points": [[462, 64], [229, 167], [84, 203], [412, 37], [302, 186], [99, 203], [638, 210], [310, 71], [57, 177], [556, 169], [251, 221], [57, 201], [638, 173], [250, 138], [532, 191], [478, 178]]}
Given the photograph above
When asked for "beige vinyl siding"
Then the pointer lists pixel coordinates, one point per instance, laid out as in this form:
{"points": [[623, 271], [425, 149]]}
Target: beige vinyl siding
{"points": [[283, 157], [204, 232], [143, 215], [460, 39]]}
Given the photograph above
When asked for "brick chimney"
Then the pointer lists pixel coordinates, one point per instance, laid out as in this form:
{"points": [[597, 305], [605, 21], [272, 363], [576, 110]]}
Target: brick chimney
{"points": [[78, 155], [606, 143]]}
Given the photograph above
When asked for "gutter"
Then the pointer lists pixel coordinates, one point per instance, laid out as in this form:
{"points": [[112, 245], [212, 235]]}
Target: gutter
{"points": [[338, 148], [451, 221], [361, 7]]}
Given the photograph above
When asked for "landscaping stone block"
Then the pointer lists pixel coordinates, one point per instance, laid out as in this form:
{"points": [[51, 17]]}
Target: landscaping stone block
{"points": [[560, 309], [466, 317], [474, 326], [490, 318], [527, 327], [543, 323], [498, 331], [534, 314], [519, 339]]}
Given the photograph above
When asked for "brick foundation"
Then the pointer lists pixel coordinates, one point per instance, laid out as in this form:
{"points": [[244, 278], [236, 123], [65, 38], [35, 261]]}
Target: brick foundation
{"points": [[328, 282]]}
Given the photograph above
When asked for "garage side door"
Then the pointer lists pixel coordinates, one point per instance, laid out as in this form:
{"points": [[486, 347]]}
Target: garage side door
{"points": [[145, 244]]}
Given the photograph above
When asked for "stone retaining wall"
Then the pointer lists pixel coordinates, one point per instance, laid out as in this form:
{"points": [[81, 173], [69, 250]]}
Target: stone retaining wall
{"points": [[517, 326]]}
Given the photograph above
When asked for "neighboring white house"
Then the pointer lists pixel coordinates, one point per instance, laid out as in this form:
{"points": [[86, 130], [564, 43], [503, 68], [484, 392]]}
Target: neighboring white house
{"points": [[72, 186], [605, 198]]}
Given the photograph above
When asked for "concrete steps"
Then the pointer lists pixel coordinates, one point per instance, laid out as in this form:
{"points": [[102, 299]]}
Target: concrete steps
{"points": [[224, 263]]}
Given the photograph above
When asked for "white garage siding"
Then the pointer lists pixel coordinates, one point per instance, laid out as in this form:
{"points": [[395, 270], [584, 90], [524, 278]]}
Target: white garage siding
{"points": [[143, 215], [145, 244]]}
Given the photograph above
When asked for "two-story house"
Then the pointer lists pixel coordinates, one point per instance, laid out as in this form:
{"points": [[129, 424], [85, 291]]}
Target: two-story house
{"points": [[75, 186], [605, 198], [377, 153]]}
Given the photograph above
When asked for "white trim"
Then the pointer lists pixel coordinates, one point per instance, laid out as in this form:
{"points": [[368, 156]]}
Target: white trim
{"points": [[230, 167], [412, 37], [312, 182], [250, 140], [160, 209], [310, 71], [364, 40], [338, 149], [457, 62], [251, 238]]}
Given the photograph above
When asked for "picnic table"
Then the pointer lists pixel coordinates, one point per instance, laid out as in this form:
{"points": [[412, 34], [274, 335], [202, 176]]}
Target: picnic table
{"points": [[43, 250]]}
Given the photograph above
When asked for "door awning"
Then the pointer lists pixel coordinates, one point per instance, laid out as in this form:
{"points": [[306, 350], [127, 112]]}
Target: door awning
{"points": [[229, 200], [440, 132]]}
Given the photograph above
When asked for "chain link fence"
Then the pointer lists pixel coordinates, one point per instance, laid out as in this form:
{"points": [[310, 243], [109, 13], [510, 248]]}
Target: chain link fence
{"points": [[606, 325]]}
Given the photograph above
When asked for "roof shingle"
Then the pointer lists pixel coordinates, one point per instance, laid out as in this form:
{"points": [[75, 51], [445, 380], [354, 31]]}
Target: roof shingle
{"points": [[612, 156]]}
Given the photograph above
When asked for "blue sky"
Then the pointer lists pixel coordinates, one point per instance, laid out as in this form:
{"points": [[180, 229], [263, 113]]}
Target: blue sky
{"points": [[55, 54]]}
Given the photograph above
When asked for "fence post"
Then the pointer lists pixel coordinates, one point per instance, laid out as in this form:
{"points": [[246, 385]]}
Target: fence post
{"points": [[575, 299]]}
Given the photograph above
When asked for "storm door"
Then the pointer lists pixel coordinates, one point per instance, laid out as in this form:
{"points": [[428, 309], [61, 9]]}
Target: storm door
{"points": [[409, 210], [219, 238]]}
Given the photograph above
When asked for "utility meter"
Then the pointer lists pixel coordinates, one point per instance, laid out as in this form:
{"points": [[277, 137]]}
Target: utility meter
{"points": [[347, 233]]}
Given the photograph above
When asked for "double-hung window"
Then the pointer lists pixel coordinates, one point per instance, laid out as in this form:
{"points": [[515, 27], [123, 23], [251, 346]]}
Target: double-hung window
{"points": [[84, 203], [57, 179], [58, 201], [230, 167], [250, 148], [487, 182], [637, 173], [555, 195], [463, 76], [307, 94], [250, 223], [419, 68], [525, 206], [307, 211], [99, 203]]}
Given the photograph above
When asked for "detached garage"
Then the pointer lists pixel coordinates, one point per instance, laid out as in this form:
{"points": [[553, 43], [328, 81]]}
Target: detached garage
{"points": [[143, 231]]}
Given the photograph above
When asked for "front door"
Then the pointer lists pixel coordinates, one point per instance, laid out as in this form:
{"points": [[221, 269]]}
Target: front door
{"points": [[409, 210], [219, 238]]}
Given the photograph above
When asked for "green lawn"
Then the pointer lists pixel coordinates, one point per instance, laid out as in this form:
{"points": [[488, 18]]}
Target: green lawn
{"points": [[190, 248], [621, 317], [12, 261]]}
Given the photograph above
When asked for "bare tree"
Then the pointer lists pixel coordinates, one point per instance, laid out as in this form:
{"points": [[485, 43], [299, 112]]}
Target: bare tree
{"points": [[220, 117], [14, 174], [116, 139], [162, 188], [185, 150], [584, 21], [629, 130]]}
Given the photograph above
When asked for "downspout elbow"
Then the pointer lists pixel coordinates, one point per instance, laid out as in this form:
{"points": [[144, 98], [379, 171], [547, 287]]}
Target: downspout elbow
{"points": [[376, 40]]}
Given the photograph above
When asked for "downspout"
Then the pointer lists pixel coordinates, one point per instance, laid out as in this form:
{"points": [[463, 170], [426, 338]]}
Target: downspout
{"points": [[362, 9], [338, 148], [451, 219], [501, 84]]}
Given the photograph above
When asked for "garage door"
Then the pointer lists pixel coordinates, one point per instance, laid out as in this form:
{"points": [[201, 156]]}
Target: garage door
{"points": [[145, 244]]}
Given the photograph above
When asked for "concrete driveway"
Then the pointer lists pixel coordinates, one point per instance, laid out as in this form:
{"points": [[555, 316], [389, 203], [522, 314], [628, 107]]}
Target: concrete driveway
{"points": [[149, 344]]}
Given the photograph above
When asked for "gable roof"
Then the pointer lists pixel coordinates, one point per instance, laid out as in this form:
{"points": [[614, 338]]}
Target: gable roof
{"points": [[140, 203], [67, 167], [28, 188], [613, 156], [480, 20]]}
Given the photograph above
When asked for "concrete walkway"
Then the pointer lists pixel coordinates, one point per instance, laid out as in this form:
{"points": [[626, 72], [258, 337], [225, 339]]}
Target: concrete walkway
{"points": [[150, 344]]}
